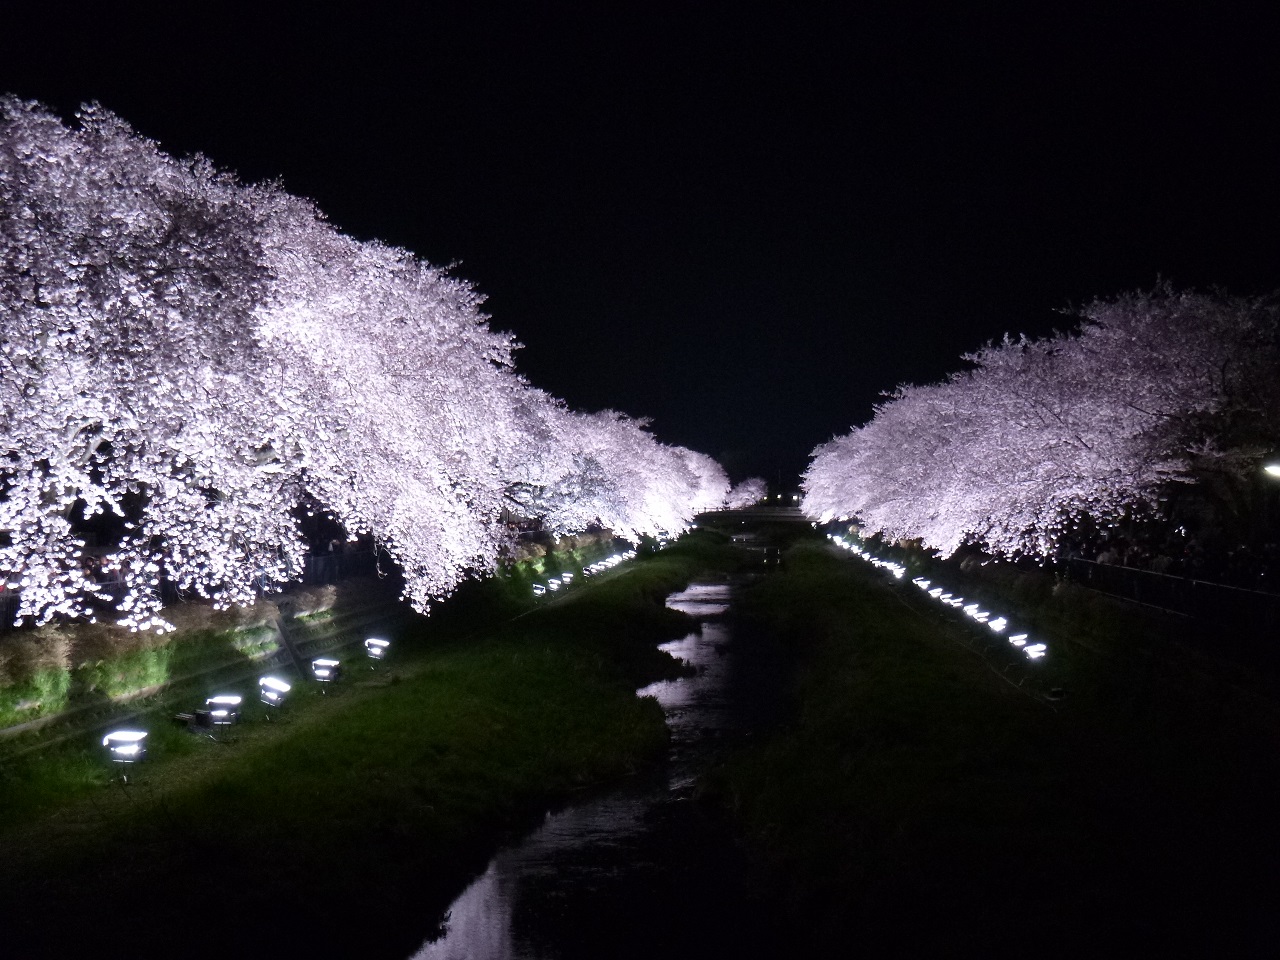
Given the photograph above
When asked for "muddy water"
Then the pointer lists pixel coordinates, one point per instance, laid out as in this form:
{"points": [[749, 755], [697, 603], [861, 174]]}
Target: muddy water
{"points": [[641, 871]]}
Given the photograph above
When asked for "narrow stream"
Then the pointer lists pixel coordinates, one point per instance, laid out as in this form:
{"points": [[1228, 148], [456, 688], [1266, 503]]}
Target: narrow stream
{"points": [[640, 871]]}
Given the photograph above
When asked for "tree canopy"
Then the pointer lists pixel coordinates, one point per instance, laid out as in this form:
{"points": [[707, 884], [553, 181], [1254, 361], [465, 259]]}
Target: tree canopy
{"points": [[206, 361], [1152, 389]]}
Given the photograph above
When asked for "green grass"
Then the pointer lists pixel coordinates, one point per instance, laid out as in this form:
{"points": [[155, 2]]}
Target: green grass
{"points": [[918, 796], [126, 673], [42, 693], [123, 674], [376, 801]]}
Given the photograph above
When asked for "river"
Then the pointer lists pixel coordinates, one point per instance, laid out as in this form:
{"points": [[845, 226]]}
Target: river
{"points": [[642, 870]]}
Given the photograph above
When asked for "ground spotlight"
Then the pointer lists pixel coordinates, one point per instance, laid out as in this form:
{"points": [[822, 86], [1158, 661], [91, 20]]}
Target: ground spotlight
{"points": [[272, 691], [326, 669], [377, 648], [224, 709], [126, 746]]}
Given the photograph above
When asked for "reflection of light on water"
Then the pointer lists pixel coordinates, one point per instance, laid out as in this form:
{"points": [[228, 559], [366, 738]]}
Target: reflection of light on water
{"points": [[701, 600], [482, 922], [479, 923], [702, 651]]}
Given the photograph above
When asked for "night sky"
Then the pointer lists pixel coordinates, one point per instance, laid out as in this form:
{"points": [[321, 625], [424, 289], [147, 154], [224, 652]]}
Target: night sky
{"points": [[743, 222]]}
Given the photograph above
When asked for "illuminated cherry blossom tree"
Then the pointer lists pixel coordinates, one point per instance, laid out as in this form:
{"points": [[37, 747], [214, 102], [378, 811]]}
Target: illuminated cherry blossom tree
{"points": [[131, 370], [1154, 388], [202, 360], [746, 494], [619, 478]]}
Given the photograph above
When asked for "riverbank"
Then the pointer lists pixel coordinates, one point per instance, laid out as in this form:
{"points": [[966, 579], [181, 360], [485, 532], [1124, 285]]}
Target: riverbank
{"points": [[917, 800], [344, 829]]}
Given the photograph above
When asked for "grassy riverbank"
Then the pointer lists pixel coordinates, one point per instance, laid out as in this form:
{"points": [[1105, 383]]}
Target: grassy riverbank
{"points": [[917, 800], [344, 829]]}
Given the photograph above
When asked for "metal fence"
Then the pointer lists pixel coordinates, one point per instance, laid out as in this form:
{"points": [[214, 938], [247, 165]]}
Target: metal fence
{"points": [[1182, 595]]}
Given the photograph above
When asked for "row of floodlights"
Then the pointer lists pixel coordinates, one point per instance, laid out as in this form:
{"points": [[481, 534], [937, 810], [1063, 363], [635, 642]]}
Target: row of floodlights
{"points": [[565, 579], [223, 710], [897, 569], [996, 624]]}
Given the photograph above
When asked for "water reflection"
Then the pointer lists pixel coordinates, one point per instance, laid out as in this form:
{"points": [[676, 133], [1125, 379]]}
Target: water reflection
{"points": [[701, 599], [640, 871]]}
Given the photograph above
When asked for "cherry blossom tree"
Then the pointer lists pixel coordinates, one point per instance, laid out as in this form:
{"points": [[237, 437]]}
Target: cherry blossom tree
{"points": [[620, 478], [1152, 389], [201, 360], [131, 371], [746, 494]]}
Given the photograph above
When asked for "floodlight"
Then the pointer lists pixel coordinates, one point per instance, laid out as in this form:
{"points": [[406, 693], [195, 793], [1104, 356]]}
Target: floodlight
{"points": [[126, 746], [553, 584], [1035, 651], [224, 709], [326, 669], [539, 589], [272, 691], [998, 624], [567, 577], [376, 648], [1273, 469], [1018, 639]]}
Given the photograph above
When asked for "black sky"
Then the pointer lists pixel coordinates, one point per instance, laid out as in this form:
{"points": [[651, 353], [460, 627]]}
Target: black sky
{"points": [[743, 222]]}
